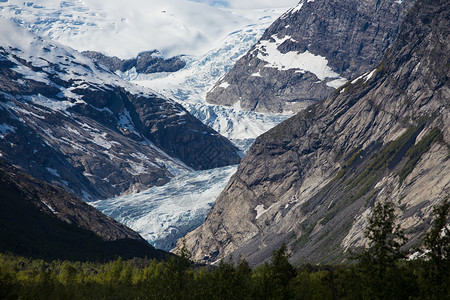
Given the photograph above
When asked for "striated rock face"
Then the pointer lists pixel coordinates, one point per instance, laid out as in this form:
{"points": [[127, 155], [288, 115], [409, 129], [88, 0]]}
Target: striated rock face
{"points": [[146, 62], [310, 51], [312, 180], [45, 221], [65, 120]]}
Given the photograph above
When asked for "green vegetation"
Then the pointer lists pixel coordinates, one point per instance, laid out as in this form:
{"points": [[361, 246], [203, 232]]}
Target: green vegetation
{"points": [[401, 153], [348, 163], [380, 273], [383, 159], [437, 242], [415, 152], [22, 278]]}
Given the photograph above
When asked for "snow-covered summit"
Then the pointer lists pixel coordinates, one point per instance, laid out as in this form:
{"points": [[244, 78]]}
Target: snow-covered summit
{"points": [[125, 28], [46, 60]]}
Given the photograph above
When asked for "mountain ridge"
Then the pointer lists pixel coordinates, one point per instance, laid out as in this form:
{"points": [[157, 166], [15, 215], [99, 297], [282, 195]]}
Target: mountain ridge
{"points": [[43, 221], [106, 136], [308, 52], [311, 180], [146, 62]]}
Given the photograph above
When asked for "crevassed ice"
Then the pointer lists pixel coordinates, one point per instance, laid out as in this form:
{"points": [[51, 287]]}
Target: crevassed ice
{"points": [[163, 214]]}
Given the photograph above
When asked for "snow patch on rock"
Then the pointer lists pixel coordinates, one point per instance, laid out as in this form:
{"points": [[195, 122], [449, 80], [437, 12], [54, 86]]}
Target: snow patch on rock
{"points": [[267, 51]]}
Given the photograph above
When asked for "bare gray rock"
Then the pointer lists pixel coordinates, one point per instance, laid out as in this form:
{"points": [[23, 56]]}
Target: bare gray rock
{"points": [[312, 180], [146, 62], [310, 51]]}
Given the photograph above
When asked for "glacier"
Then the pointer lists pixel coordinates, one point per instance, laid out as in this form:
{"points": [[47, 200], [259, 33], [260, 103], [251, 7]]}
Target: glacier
{"points": [[163, 214], [190, 85], [125, 28], [211, 39]]}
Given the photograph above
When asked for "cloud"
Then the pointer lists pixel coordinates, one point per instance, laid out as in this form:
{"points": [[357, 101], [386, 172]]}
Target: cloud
{"points": [[250, 4], [255, 4]]}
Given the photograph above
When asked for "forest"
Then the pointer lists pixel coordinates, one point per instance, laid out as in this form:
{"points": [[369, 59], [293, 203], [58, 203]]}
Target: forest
{"points": [[379, 271]]}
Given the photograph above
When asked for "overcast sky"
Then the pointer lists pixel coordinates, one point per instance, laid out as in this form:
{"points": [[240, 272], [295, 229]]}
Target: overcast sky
{"points": [[250, 4]]}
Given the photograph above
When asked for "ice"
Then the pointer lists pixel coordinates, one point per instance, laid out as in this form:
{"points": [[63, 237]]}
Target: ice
{"points": [[224, 85], [370, 75], [336, 83], [190, 85], [164, 214], [297, 8], [52, 104], [49, 207], [365, 76], [212, 40], [101, 140], [125, 28], [29, 74], [125, 121], [234, 123]]}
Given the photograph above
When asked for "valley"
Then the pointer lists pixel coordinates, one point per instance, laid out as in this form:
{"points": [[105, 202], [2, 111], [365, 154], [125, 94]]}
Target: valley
{"points": [[244, 137]]}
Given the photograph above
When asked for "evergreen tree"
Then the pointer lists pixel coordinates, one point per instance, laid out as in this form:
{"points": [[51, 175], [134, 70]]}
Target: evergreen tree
{"points": [[385, 237], [436, 277], [379, 260], [437, 241], [175, 275], [273, 280]]}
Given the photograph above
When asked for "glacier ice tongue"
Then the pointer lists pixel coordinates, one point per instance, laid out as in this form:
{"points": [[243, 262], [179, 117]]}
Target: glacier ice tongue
{"points": [[166, 213]]}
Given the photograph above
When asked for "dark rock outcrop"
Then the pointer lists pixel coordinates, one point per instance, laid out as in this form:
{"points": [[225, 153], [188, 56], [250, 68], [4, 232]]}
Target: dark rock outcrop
{"points": [[312, 180], [146, 62], [310, 51], [44, 221]]}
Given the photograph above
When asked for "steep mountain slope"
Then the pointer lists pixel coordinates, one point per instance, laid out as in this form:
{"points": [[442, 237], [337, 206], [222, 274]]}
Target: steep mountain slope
{"points": [[41, 220], [308, 52], [163, 214], [312, 180], [66, 120]]}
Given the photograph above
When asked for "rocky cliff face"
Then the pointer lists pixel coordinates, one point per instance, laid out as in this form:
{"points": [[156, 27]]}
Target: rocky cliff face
{"points": [[45, 221], [65, 120], [146, 62], [310, 51], [312, 180]]}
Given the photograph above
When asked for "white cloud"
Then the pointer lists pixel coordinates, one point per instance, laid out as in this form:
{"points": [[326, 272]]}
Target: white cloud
{"points": [[257, 4], [125, 28], [250, 4]]}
